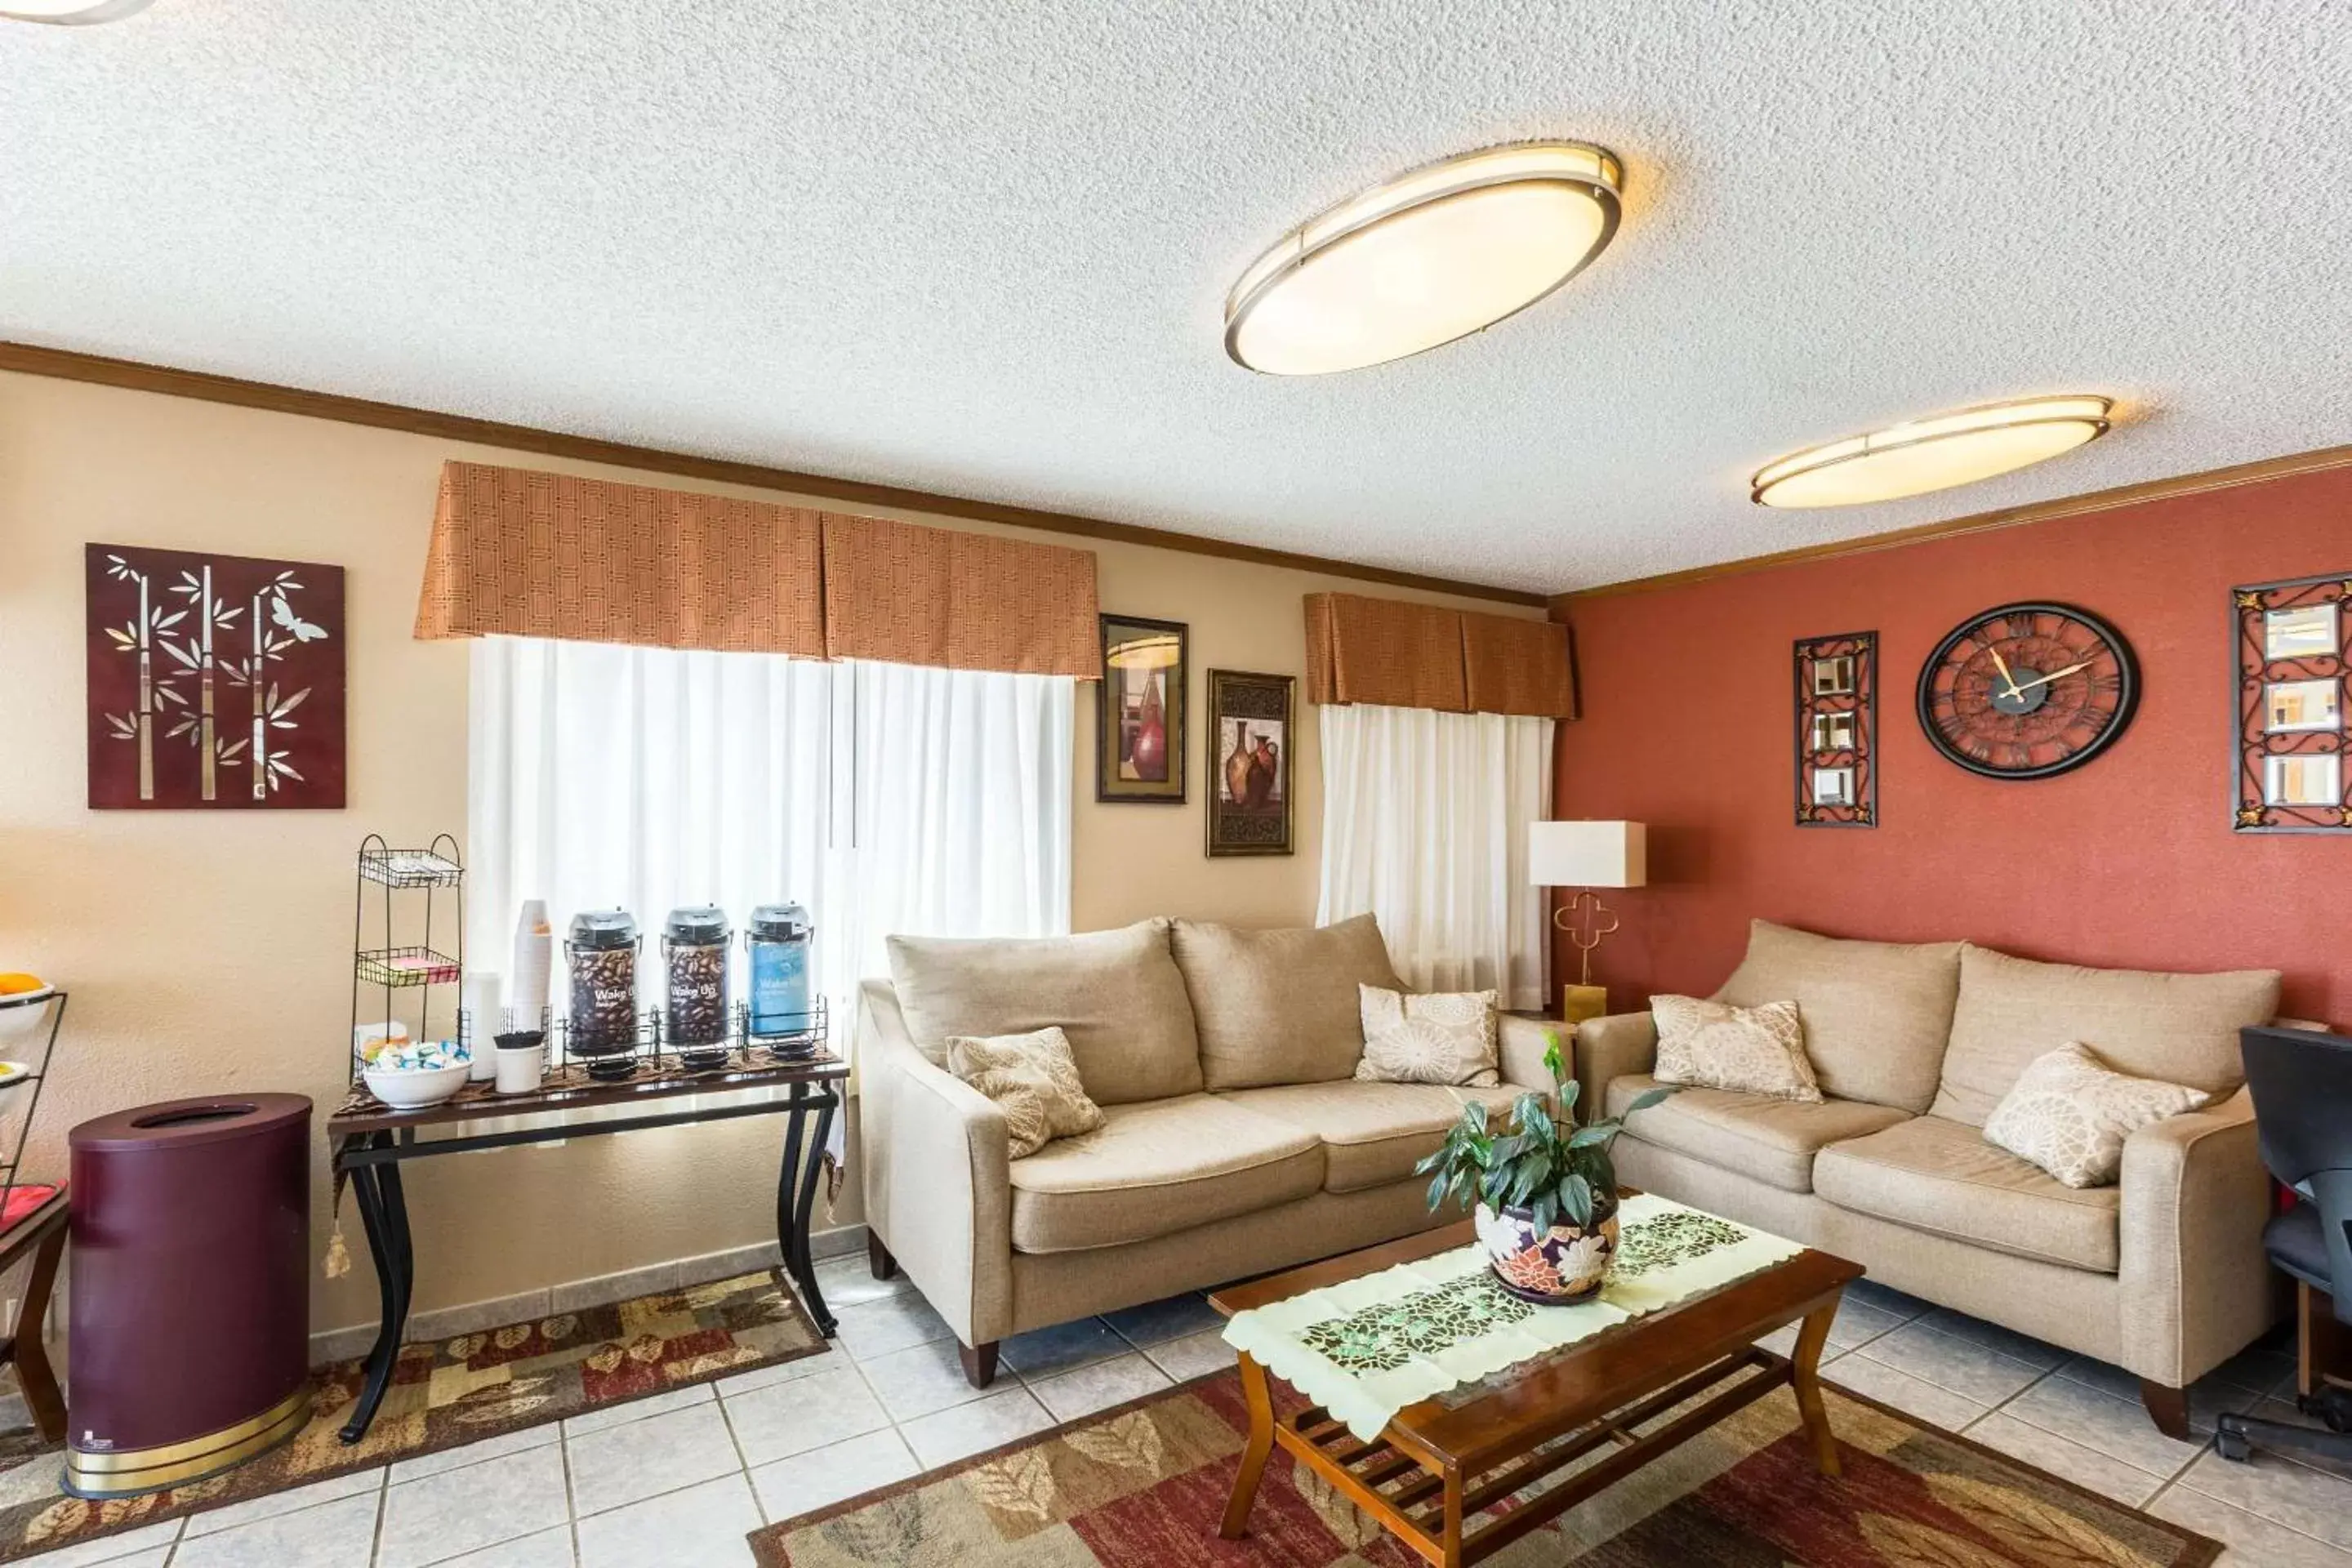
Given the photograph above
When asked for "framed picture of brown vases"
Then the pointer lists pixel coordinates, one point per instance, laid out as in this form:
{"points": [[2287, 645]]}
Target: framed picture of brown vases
{"points": [[1139, 732], [1250, 736]]}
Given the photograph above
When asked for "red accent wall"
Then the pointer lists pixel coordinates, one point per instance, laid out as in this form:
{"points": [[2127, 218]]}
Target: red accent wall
{"points": [[2128, 860]]}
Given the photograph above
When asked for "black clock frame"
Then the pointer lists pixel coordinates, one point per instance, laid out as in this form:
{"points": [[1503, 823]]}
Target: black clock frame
{"points": [[2126, 696]]}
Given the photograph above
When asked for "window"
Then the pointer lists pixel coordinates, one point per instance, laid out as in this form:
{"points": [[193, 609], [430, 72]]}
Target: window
{"points": [[1425, 822], [884, 798]]}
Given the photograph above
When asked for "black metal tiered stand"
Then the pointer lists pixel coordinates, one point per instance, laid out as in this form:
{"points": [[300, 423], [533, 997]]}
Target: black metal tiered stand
{"points": [[652, 1083], [41, 1230]]}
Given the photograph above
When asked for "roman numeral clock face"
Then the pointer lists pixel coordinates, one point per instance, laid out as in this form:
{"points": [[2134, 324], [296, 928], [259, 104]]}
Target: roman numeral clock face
{"points": [[2028, 690]]}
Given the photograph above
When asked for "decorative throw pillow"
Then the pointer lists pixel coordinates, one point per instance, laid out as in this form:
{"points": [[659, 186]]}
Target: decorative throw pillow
{"points": [[2069, 1113], [1446, 1036], [1750, 1050], [1033, 1078]]}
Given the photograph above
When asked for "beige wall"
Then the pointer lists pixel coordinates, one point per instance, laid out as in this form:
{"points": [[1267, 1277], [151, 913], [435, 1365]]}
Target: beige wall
{"points": [[209, 953]]}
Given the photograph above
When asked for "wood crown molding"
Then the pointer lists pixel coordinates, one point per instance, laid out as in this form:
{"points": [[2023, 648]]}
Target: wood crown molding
{"points": [[2313, 462], [65, 364]]}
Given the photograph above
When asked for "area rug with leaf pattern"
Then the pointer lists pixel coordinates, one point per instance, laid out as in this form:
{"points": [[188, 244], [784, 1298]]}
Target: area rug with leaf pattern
{"points": [[448, 1392], [1145, 1487]]}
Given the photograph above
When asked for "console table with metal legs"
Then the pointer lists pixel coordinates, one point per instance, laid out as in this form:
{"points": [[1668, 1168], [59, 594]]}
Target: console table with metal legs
{"points": [[372, 1141]]}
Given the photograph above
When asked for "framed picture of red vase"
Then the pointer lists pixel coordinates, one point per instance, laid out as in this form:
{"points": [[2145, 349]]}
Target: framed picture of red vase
{"points": [[1139, 734], [215, 683]]}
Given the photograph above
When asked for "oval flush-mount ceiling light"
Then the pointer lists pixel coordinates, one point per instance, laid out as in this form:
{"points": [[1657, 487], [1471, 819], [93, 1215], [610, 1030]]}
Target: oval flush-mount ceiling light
{"points": [[70, 12], [1932, 454], [1427, 257]]}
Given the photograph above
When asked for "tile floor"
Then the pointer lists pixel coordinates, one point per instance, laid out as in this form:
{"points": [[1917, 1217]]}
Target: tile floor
{"points": [[680, 1479]]}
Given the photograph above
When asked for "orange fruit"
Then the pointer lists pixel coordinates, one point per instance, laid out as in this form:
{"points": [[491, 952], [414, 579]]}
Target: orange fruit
{"points": [[11, 983]]}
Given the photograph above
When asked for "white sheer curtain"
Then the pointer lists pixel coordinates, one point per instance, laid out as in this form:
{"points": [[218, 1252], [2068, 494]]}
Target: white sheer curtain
{"points": [[886, 799], [1425, 822]]}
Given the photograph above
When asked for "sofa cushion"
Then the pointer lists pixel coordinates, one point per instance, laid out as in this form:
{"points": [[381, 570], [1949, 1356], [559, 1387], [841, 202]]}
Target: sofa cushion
{"points": [[1942, 1177], [2177, 1028], [1280, 1006], [1876, 1014], [1116, 993], [1372, 1134], [1155, 1167], [1762, 1136]]}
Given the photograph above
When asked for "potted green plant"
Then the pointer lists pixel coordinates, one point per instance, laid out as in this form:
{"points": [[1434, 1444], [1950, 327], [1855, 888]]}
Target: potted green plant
{"points": [[1544, 1189]]}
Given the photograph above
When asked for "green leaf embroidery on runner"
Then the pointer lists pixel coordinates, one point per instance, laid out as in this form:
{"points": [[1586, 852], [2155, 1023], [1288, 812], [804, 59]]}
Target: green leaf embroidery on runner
{"points": [[1387, 1335], [1677, 1237]]}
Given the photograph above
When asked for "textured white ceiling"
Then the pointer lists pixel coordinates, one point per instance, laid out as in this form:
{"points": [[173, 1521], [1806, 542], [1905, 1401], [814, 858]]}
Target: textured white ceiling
{"points": [[982, 247]]}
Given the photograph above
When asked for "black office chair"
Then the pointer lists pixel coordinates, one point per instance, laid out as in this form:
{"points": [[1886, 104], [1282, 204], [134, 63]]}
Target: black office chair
{"points": [[2301, 1083]]}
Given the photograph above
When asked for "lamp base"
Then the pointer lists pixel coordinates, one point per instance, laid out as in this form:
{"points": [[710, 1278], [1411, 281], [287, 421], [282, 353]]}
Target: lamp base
{"points": [[1579, 1003]]}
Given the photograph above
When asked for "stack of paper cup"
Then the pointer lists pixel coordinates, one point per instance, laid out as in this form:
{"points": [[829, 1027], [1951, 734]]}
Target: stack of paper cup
{"points": [[534, 960]]}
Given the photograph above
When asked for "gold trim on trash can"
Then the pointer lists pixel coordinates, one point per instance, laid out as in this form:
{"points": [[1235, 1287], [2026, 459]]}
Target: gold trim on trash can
{"points": [[126, 1472]]}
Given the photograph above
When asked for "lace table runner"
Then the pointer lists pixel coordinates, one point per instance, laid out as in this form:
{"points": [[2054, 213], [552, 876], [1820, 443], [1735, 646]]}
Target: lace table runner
{"points": [[1364, 1349]]}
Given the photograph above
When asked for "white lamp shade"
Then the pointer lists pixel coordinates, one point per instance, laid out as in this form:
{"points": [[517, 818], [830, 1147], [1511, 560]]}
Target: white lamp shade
{"points": [[1588, 854]]}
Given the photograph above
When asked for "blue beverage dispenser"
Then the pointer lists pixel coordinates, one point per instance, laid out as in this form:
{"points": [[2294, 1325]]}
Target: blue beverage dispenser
{"points": [[782, 1015]]}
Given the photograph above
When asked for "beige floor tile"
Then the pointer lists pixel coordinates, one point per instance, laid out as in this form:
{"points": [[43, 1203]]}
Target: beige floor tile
{"points": [[701, 1527], [1098, 1387], [131, 1545], [850, 1282], [1858, 1322], [2306, 1501], [2066, 1459], [497, 1448], [2251, 1541], [975, 1428], [806, 1482], [2107, 1378], [616, 1466], [827, 1360], [2119, 1428], [2033, 1352], [1959, 1366], [1780, 1341], [891, 1323], [1157, 1322], [547, 1549], [472, 1507], [1195, 1355], [652, 1405], [330, 1490], [1042, 1352], [919, 1380], [786, 1419], [1871, 1293], [1937, 1406], [332, 1535]]}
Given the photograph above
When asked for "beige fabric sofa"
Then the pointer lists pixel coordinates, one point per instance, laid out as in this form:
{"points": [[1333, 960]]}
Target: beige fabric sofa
{"points": [[1233, 1141], [1915, 1045]]}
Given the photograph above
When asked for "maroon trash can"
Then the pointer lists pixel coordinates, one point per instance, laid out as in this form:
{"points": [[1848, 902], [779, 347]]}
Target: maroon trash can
{"points": [[191, 1319]]}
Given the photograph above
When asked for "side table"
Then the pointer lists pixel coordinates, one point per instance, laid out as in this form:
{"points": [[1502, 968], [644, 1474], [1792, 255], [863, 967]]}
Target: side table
{"points": [[372, 1141]]}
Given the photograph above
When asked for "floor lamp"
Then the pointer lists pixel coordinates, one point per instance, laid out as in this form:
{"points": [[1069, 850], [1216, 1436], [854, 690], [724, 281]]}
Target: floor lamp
{"points": [[1586, 855]]}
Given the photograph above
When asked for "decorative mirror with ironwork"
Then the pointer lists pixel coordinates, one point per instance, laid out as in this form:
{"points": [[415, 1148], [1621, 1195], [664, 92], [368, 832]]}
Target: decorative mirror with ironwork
{"points": [[2290, 643], [1837, 731]]}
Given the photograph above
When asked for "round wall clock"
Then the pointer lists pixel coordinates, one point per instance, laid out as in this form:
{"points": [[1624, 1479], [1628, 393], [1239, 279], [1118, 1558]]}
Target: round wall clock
{"points": [[2028, 690]]}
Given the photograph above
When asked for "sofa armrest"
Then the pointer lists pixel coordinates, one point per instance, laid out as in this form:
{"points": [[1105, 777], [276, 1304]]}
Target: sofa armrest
{"points": [[2197, 1288], [935, 1153], [1524, 1042], [1607, 1049]]}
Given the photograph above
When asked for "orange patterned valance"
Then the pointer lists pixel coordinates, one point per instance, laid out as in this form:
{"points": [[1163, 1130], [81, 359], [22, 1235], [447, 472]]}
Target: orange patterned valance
{"points": [[525, 553], [1398, 654], [904, 594]]}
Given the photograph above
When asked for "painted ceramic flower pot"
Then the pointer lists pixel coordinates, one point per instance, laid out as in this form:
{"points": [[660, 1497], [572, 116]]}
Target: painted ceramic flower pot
{"points": [[1557, 1268]]}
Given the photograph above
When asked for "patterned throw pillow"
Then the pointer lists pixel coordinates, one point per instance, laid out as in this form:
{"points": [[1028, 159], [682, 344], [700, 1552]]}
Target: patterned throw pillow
{"points": [[1750, 1050], [1033, 1078], [1446, 1036], [2069, 1113]]}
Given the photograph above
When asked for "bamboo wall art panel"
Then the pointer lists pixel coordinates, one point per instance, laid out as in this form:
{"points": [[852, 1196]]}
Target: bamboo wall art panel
{"points": [[216, 681]]}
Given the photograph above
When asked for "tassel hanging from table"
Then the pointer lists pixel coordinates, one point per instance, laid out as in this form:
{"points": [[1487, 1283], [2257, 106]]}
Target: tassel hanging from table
{"points": [[338, 1257]]}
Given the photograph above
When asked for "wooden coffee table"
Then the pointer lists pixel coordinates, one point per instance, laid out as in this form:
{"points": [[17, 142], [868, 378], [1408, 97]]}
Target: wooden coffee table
{"points": [[1438, 1464]]}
